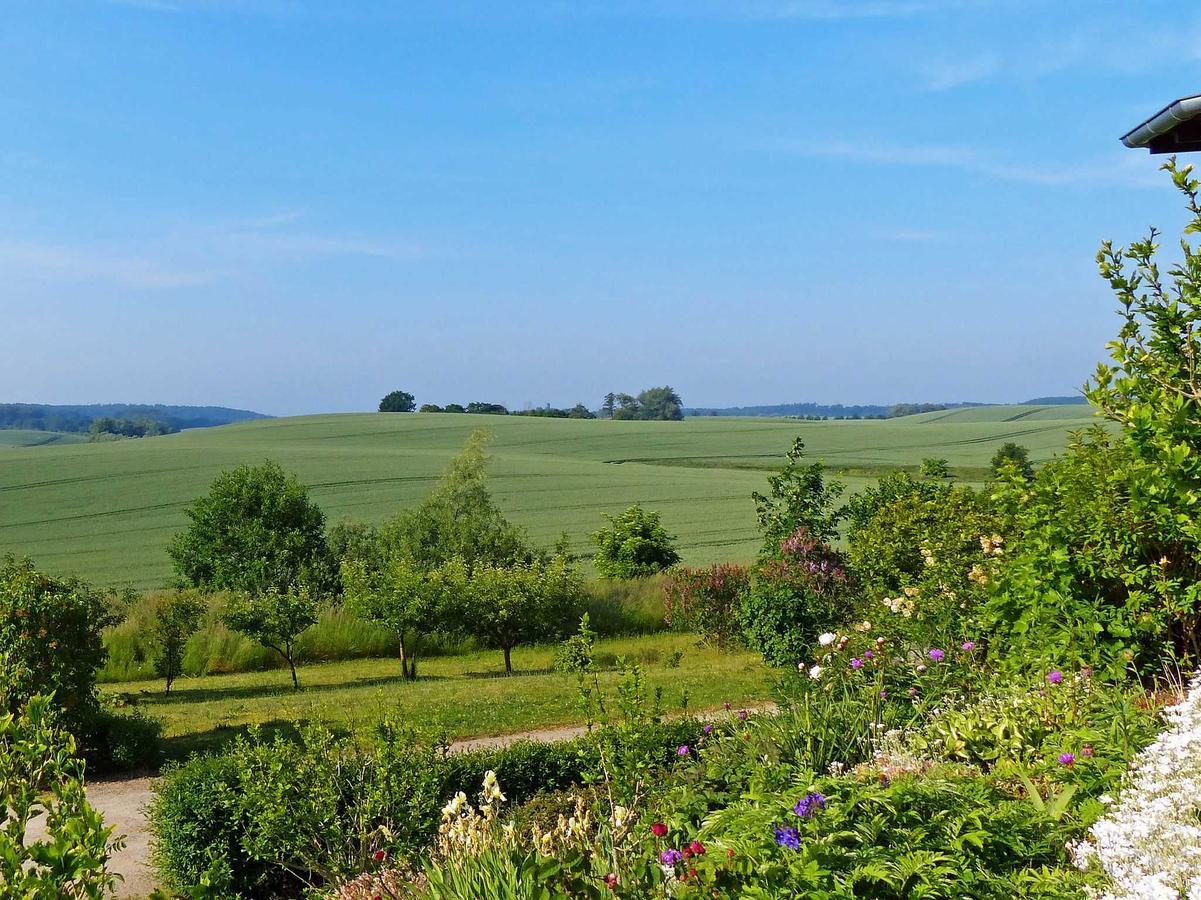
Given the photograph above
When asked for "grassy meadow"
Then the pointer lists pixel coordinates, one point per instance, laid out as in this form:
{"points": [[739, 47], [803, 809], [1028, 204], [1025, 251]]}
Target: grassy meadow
{"points": [[105, 511], [465, 695]]}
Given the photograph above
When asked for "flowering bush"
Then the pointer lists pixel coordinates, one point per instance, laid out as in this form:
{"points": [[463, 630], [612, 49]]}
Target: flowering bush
{"points": [[1149, 843], [706, 601], [794, 594]]}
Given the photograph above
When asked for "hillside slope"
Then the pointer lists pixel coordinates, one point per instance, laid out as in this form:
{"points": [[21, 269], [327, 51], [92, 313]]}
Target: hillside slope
{"points": [[106, 511]]}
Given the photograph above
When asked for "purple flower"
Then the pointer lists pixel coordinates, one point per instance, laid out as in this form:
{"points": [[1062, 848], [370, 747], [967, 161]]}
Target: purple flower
{"points": [[1055, 677], [682, 750], [808, 805], [742, 714], [883, 695], [788, 837], [708, 729], [936, 654], [969, 646], [856, 663], [868, 655], [671, 857], [1067, 759]]}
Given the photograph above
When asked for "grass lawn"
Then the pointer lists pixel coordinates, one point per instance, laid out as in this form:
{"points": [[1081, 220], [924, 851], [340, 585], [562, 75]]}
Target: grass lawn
{"points": [[464, 696]]}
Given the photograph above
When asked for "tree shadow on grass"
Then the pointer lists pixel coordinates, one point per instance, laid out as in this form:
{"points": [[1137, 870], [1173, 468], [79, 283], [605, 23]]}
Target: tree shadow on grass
{"points": [[202, 694], [516, 673], [180, 747]]}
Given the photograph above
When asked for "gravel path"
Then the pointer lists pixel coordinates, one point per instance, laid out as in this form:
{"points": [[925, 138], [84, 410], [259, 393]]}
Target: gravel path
{"points": [[123, 804]]}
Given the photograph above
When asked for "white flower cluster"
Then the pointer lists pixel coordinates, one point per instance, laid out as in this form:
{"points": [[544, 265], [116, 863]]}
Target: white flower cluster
{"points": [[1149, 844]]}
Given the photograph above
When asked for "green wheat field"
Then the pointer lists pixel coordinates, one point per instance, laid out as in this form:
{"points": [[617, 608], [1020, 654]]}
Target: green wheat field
{"points": [[105, 511]]}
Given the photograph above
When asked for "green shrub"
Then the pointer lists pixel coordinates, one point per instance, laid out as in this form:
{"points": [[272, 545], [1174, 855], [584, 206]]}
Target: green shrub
{"points": [[794, 597], [574, 655], [798, 497], [50, 632], [40, 776], [635, 545], [1092, 576], [272, 817], [124, 740]]}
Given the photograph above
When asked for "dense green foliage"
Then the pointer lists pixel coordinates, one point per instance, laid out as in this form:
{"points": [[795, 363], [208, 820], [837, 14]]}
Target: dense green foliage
{"points": [[635, 545], [256, 529], [41, 781], [272, 816], [458, 520], [660, 403], [50, 636], [794, 596], [517, 604], [275, 618], [78, 419], [798, 497], [397, 401], [410, 602], [1012, 454]]}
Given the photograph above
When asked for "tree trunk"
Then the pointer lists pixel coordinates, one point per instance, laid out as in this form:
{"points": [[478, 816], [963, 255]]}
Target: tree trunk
{"points": [[508, 660], [408, 667], [292, 665]]}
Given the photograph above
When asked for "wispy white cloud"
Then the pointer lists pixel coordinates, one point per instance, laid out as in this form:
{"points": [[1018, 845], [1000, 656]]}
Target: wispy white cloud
{"points": [[733, 9], [1120, 169], [942, 75], [87, 264], [1111, 44], [194, 255], [910, 235]]}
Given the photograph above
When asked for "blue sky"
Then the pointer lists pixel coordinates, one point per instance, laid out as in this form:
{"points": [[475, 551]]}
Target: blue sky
{"points": [[295, 206]]}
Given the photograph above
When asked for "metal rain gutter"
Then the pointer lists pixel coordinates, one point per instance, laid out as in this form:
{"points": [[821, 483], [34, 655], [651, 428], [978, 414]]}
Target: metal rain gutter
{"points": [[1163, 121]]}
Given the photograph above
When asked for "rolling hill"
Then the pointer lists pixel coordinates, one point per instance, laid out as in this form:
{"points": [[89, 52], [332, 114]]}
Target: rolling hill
{"points": [[106, 511]]}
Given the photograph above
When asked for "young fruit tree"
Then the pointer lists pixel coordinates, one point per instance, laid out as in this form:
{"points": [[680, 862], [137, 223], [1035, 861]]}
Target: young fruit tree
{"points": [[511, 605], [408, 600], [275, 619], [176, 618]]}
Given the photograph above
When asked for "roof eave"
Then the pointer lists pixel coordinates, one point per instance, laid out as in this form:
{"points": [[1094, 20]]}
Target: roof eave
{"points": [[1162, 122]]}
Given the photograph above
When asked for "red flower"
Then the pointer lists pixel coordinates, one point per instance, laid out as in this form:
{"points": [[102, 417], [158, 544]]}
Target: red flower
{"points": [[730, 853], [692, 873], [380, 855], [697, 848], [611, 881], [659, 829]]}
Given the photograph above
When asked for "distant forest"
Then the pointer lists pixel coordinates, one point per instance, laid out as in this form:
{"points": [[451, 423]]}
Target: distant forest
{"points": [[80, 419], [866, 411], [829, 411]]}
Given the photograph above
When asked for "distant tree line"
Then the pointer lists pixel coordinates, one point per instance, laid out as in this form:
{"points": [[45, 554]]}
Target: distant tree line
{"points": [[476, 407], [661, 403], [106, 425], [821, 411], [579, 411], [656, 403], [79, 419]]}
